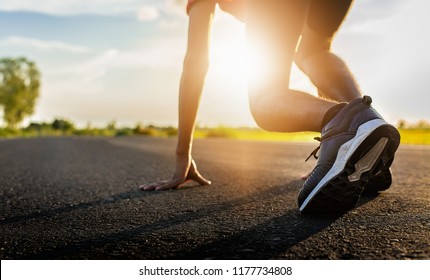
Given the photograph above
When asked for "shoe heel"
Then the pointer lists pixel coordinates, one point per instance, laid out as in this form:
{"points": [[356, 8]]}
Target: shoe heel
{"points": [[368, 161]]}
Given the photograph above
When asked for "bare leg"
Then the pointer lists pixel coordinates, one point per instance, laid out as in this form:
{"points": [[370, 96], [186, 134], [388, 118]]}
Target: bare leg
{"points": [[327, 71], [273, 30], [289, 111]]}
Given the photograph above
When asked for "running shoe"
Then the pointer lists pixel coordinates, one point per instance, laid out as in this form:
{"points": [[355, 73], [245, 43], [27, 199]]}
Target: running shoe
{"points": [[380, 182], [356, 145]]}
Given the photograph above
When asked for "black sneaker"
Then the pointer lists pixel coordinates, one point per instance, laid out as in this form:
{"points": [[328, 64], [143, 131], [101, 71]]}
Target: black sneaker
{"points": [[356, 145], [380, 182]]}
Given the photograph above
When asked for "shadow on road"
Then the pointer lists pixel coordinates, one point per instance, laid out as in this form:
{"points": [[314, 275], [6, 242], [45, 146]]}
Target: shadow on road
{"points": [[267, 240], [262, 241], [134, 194]]}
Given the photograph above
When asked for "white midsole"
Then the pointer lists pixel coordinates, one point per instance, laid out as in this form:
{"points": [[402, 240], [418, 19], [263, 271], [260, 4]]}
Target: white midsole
{"points": [[343, 155]]}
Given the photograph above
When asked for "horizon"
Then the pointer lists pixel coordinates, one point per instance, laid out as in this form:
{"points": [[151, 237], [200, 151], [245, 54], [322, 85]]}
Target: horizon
{"points": [[121, 60]]}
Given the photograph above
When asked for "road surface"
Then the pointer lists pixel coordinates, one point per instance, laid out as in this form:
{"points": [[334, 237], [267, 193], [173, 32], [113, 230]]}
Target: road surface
{"points": [[77, 198]]}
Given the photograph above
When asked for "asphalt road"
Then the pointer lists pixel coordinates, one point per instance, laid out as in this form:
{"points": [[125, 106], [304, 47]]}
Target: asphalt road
{"points": [[77, 198]]}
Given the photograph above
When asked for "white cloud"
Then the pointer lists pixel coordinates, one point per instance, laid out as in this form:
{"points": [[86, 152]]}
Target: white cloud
{"points": [[147, 13], [72, 7], [170, 24], [92, 69], [164, 54], [146, 9], [43, 45], [175, 7]]}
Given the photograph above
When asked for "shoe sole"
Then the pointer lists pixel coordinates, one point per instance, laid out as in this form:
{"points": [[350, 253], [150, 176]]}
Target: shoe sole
{"points": [[358, 160], [380, 182], [368, 161]]}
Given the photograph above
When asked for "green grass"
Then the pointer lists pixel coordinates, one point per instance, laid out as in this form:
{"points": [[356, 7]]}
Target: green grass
{"points": [[412, 136]]}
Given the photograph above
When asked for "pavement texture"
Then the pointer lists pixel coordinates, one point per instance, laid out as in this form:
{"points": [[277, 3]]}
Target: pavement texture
{"points": [[78, 198]]}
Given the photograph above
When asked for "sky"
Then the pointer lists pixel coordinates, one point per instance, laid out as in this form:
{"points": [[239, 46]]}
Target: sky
{"points": [[121, 60]]}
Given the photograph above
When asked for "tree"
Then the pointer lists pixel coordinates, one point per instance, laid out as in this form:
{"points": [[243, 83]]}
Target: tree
{"points": [[401, 124], [63, 125], [19, 89]]}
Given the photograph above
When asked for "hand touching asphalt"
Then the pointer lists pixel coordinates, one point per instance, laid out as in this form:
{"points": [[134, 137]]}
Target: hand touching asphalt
{"points": [[185, 171]]}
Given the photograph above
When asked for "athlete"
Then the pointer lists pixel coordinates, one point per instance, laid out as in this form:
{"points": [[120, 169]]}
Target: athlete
{"points": [[357, 145]]}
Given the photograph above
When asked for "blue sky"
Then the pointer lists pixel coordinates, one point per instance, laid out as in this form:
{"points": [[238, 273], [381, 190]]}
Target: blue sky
{"points": [[104, 60]]}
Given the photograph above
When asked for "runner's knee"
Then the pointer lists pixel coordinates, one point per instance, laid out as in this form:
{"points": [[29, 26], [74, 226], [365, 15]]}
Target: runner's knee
{"points": [[255, 107], [261, 107]]}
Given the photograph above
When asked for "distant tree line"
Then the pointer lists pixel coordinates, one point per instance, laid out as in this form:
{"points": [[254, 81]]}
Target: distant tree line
{"points": [[421, 124], [64, 127]]}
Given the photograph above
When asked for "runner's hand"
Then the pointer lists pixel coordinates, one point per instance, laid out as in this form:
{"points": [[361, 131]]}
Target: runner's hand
{"points": [[186, 171]]}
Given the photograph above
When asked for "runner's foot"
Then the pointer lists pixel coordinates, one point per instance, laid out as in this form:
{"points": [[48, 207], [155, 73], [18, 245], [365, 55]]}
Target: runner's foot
{"points": [[356, 144]]}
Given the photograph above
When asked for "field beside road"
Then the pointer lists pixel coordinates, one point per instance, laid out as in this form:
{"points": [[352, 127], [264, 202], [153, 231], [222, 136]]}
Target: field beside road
{"points": [[419, 135], [77, 198]]}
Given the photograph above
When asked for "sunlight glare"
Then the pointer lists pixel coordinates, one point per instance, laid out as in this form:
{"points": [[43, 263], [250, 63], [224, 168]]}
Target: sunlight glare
{"points": [[227, 55], [226, 97], [234, 64]]}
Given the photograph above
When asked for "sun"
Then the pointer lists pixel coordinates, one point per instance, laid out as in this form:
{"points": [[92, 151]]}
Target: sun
{"points": [[234, 64], [234, 61], [228, 59], [225, 100]]}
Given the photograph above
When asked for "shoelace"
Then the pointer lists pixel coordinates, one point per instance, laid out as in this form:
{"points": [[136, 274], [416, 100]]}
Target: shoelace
{"points": [[366, 99], [314, 152]]}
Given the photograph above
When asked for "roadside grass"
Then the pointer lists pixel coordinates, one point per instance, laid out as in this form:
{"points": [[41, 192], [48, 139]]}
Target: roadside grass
{"points": [[253, 134], [410, 136], [415, 136]]}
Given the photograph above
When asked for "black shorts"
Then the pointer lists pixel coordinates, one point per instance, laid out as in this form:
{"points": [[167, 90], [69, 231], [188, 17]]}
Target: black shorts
{"points": [[326, 16]]}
